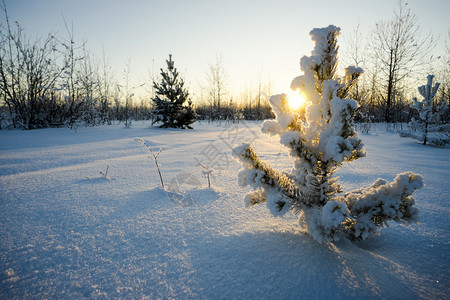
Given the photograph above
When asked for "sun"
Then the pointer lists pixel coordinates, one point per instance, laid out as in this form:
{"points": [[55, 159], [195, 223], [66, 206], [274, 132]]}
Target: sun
{"points": [[296, 101]]}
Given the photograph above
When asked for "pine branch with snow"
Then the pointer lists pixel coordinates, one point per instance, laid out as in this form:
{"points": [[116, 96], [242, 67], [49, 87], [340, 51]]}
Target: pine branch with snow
{"points": [[320, 142]]}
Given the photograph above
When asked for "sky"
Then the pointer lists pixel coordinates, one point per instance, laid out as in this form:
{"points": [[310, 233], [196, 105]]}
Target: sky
{"points": [[258, 40]]}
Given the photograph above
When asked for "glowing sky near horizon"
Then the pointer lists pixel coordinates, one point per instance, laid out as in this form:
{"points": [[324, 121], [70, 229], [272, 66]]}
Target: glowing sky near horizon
{"points": [[257, 39]]}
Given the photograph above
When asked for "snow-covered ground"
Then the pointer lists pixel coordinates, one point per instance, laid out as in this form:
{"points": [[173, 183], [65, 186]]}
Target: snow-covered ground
{"points": [[66, 231]]}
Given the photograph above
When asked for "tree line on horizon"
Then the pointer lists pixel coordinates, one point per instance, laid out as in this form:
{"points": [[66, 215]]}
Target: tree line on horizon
{"points": [[54, 81]]}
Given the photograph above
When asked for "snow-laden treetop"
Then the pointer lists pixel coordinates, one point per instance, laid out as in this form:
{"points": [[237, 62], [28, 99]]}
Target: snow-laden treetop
{"points": [[320, 140], [326, 128]]}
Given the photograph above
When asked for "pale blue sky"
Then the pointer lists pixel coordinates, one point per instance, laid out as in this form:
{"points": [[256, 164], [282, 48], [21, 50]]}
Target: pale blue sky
{"points": [[254, 37]]}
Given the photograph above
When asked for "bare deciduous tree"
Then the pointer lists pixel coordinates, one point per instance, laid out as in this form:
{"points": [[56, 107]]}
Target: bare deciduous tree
{"points": [[216, 77], [27, 74], [128, 94], [355, 57], [444, 74], [105, 87], [398, 47]]}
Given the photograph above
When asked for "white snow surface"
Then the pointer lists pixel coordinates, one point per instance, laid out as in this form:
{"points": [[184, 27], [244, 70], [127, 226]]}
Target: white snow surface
{"points": [[68, 232]]}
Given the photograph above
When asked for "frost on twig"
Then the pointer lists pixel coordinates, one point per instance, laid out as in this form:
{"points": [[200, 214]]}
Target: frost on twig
{"points": [[206, 171], [106, 172], [154, 157]]}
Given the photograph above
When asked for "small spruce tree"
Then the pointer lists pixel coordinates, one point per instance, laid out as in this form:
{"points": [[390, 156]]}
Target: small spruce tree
{"points": [[320, 141], [173, 108], [429, 121]]}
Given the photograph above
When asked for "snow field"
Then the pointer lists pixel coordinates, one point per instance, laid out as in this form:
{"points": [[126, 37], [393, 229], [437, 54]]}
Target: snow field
{"points": [[69, 232]]}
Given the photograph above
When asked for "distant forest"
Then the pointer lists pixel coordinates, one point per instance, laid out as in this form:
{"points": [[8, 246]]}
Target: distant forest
{"points": [[53, 81]]}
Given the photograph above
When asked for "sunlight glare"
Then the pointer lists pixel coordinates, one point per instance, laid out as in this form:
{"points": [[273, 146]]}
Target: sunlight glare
{"points": [[296, 101]]}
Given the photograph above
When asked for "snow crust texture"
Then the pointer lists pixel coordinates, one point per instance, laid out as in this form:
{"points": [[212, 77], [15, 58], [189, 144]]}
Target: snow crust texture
{"points": [[67, 232]]}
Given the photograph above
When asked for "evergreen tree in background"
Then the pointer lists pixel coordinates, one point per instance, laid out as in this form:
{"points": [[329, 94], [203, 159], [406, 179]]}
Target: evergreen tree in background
{"points": [[173, 108], [428, 128], [320, 142]]}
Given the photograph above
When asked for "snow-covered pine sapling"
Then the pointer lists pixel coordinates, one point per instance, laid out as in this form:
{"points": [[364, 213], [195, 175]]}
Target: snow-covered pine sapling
{"points": [[207, 172], [428, 121], [153, 157], [320, 141]]}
